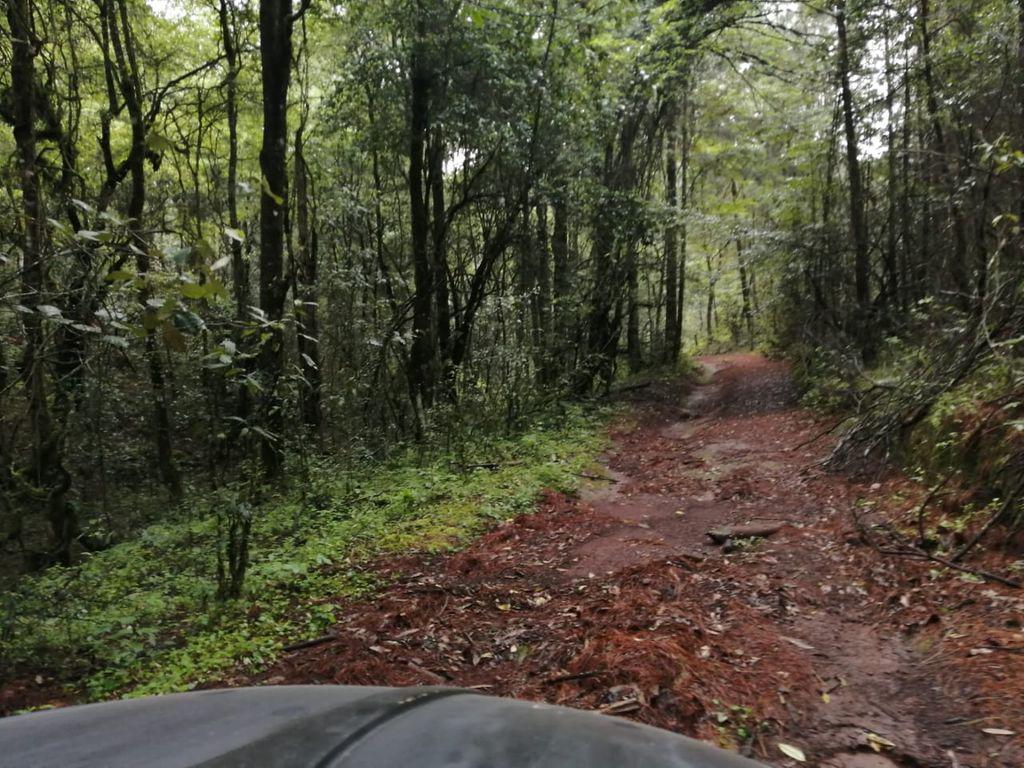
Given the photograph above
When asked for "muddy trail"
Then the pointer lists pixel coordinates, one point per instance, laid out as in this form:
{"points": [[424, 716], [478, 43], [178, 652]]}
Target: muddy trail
{"points": [[620, 602]]}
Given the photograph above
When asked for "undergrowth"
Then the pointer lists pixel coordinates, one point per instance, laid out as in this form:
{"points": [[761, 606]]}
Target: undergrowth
{"points": [[952, 416], [142, 617]]}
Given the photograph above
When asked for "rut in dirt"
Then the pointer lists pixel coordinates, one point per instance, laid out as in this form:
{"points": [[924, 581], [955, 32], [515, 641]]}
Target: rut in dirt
{"points": [[620, 602]]}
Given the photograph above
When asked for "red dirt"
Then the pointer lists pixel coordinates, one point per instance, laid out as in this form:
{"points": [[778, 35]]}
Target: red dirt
{"points": [[619, 602]]}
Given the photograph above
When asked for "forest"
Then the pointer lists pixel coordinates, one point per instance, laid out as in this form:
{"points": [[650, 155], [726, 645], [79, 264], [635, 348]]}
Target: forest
{"points": [[291, 290]]}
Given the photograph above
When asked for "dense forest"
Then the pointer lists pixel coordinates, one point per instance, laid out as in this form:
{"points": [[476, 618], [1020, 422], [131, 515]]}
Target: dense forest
{"points": [[274, 274]]}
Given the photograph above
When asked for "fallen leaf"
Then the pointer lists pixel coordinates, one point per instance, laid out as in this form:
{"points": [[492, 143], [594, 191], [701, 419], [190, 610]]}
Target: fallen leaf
{"points": [[825, 697], [878, 743], [797, 643], [794, 752]]}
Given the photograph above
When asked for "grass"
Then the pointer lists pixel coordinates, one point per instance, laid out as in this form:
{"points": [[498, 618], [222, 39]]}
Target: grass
{"points": [[142, 617]]}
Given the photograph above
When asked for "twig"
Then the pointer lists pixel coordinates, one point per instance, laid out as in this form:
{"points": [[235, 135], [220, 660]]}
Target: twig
{"points": [[620, 707], [631, 387], [928, 500], [492, 465], [573, 676], [589, 476], [430, 675], [1007, 503], [309, 643], [817, 437], [1003, 648], [918, 554]]}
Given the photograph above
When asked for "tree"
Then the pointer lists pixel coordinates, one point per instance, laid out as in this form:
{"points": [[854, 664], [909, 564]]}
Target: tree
{"points": [[276, 22]]}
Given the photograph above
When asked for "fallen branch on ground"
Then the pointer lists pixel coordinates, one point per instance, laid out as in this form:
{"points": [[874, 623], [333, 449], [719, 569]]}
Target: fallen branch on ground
{"points": [[932, 494], [759, 530], [918, 554], [817, 437], [493, 465], [995, 518], [572, 676], [309, 643], [631, 388]]}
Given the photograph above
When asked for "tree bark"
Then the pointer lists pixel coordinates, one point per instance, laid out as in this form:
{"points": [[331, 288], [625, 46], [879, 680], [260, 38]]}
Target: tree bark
{"points": [[634, 352], [239, 266], [421, 355], [561, 280], [671, 353], [862, 322], [957, 264], [544, 345], [439, 264], [275, 64], [306, 265], [47, 471], [122, 39], [684, 199]]}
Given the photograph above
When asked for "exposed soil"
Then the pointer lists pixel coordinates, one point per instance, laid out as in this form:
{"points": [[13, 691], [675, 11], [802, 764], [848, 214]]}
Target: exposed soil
{"points": [[619, 601]]}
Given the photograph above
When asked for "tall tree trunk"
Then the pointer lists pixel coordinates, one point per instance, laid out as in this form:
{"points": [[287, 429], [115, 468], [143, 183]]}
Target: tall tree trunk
{"points": [[684, 199], [275, 64], [671, 352], [421, 355], [862, 323], [306, 258], [544, 345], [239, 262], [47, 471], [957, 263], [561, 280], [747, 312], [526, 282], [439, 263], [239, 266], [909, 292], [709, 320], [122, 39], [634, 352], [892, 281]]}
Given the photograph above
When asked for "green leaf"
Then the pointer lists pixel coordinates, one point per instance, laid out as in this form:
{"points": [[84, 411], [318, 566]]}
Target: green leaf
{"points": [[194, 290], [180, 255], [186, 321], [269, 192], [158, 142]]}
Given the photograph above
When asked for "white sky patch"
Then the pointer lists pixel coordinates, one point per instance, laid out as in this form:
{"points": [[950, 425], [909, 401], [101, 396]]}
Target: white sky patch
{"points": [[455, 161], [172, 10]]}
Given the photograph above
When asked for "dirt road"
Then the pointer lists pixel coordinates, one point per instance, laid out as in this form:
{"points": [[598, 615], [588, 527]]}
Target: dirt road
{"points": [[620, 602]]}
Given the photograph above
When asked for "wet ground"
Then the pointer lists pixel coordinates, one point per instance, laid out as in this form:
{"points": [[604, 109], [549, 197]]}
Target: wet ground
{"points": [[619, 602]]}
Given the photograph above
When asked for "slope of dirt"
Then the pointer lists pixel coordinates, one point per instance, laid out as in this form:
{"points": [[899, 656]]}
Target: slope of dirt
{"points": [[620, 603]]}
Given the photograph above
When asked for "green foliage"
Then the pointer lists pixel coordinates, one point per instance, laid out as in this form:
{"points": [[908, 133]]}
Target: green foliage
{"points": [[973, 429], [143, 617]]}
